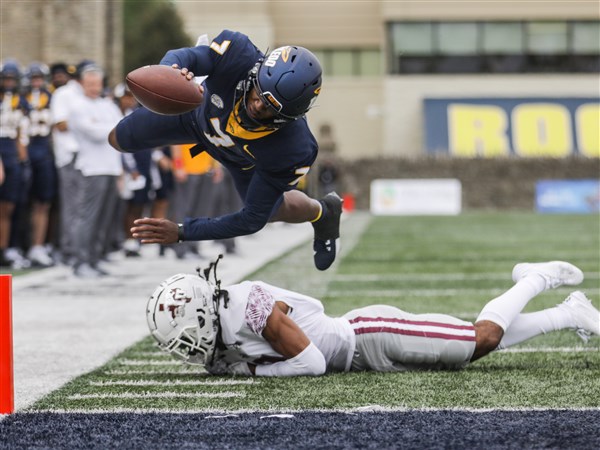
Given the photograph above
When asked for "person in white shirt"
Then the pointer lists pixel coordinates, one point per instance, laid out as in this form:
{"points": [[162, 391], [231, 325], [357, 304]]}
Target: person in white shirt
{"points": [[90, 120], [65, 152], [253, 328]]}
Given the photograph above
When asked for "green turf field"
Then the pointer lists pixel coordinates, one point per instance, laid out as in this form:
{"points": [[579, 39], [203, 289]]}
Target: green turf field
{"points": [[449, 265]]}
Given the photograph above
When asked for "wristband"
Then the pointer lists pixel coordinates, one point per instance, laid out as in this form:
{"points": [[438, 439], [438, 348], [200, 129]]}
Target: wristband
{"points": [[180, 236]]}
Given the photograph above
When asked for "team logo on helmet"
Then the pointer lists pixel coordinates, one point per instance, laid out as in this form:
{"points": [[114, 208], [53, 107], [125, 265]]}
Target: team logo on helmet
{"points": [[283, 52], [175, 302]]}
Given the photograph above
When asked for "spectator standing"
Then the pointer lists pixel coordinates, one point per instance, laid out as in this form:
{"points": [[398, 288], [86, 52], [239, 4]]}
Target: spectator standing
{"points": [[65, 154], [60, 74], [91, 118]]}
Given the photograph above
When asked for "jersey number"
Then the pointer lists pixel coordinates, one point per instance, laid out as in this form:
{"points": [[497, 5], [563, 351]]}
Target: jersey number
{"points": [[221, 140], [220, 48], [302, 171]]}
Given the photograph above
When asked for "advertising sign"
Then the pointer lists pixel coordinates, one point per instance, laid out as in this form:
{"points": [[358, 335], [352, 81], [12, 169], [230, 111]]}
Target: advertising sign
{"points": [[527, 127], [567, 196], [416, 197]]}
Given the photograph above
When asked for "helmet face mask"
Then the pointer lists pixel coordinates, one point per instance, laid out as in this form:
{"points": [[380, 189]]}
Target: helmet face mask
{"points": [[182, 317], [287, 81]]}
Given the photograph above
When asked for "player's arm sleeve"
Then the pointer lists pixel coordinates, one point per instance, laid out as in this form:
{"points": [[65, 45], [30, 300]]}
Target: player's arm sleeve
{"points": [[309, 361], [196, 59], [264, 318], [203, 59], [260, 201]]}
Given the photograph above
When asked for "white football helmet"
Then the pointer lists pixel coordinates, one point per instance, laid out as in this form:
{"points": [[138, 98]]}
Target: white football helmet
{"points": [[182, 317]]}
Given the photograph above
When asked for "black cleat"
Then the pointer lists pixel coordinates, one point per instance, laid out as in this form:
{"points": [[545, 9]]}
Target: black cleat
{"points": [[327, 231]]}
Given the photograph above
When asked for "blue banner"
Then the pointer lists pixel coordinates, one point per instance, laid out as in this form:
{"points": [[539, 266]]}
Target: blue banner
{"points": [[527, 127], [567, 196]]}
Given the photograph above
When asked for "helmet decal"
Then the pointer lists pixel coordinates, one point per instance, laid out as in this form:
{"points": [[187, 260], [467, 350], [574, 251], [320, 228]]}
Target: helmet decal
{"points": [[176, 300], [284, 52]]}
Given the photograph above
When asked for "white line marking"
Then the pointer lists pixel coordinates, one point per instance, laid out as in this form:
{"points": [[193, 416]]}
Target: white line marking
{"points": [[550, 350], [136, 362], [158, 371], [427, 292], [161, 355], [357, 410], [157, 395], [435, 276], [173, 383]]}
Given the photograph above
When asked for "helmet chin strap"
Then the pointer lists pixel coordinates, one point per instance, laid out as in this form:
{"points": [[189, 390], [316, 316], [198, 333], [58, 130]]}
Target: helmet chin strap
{"points": [[205, 274], [218, 295]]}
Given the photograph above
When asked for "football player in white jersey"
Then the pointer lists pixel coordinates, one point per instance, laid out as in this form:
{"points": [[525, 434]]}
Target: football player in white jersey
{"points": [[253, 328]]}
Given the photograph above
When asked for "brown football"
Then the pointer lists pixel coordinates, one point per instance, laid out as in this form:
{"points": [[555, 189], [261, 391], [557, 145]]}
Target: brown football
{"points": [[164, 90]]}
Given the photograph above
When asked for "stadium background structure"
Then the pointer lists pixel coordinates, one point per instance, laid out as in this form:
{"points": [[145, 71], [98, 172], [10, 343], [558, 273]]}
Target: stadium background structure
{"points": [[373, 111]]}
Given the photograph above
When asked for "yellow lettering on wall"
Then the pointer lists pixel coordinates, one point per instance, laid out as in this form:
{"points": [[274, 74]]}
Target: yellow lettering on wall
{"points": [[542, 129], [477, 130], [587, 122]]}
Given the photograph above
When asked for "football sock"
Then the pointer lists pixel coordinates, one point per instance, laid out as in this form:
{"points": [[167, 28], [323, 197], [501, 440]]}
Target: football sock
{"points": [[318, 215], [504, 309], [529, 325]]}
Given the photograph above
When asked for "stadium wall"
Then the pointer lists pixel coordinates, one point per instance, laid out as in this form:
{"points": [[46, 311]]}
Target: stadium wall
{"points": [[52, 30], [500, 183], [403, 126]]}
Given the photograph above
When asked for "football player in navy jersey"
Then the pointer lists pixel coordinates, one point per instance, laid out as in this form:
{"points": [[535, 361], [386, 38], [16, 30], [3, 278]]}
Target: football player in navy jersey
{"points": [[252, 121], [43, 186], [13, 152]]}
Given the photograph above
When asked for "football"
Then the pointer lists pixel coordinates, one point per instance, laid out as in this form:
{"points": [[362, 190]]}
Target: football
{"points": [[164, 90]]}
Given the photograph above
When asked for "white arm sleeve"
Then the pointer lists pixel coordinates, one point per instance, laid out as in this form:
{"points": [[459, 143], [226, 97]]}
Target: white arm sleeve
{"points": [[309, 361]]}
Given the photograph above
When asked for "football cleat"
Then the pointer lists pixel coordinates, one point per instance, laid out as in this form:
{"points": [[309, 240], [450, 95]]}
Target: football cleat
{"points": [[585, 316], [39, 257], [327, 231], [556, 273]]}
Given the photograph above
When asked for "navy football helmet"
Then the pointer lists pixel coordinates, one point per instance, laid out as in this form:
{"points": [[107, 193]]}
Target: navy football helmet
{"points": [[10, 69], [287, 80], [37, 69]]}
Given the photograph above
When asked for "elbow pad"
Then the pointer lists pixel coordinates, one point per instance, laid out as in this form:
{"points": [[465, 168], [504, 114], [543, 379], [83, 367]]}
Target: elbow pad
{"points": [[309, 361]]}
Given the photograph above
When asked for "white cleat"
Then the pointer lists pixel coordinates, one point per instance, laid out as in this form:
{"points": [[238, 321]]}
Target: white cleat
{"points": [[556, 273], [584, 314]]}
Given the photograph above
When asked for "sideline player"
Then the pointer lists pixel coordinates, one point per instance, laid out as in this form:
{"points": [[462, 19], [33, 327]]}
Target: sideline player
{"points": [[253, 122], [13, 153], [253, 328], [44, 178]]}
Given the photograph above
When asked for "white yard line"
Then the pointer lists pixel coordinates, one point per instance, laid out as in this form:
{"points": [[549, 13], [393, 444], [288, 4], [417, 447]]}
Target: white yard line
{"points": [[456, 276], [428, 292], [147, 362], [131, 395], [173, 383], [155, 372], [550, 350]]}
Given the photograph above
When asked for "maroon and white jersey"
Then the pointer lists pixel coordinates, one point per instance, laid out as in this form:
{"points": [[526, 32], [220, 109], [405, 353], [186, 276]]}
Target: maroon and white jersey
{"points": [[245, 317]]}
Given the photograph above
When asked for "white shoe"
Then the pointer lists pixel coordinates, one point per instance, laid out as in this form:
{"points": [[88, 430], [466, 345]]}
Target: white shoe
{"points": [[556, 273], [17, 260], [584, 314], [39, 256]]}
